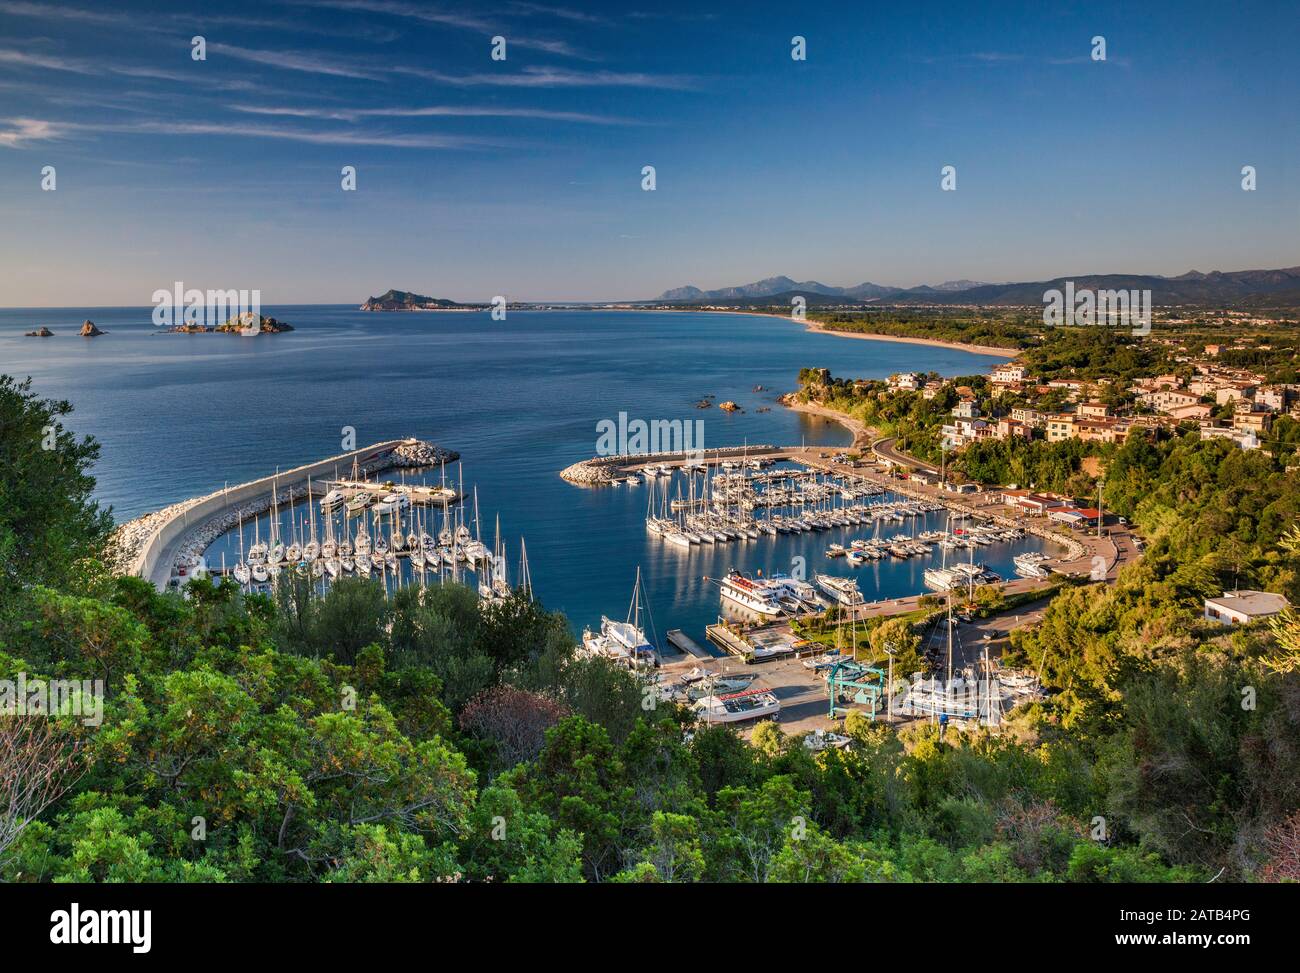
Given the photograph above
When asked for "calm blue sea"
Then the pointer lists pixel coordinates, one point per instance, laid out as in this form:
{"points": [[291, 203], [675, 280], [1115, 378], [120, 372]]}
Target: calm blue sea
{"points": [[179, 415]]}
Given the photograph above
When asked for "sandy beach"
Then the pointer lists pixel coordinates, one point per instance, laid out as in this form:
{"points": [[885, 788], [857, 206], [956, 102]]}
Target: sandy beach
{"points": [[862, 433], [1006, 353]]}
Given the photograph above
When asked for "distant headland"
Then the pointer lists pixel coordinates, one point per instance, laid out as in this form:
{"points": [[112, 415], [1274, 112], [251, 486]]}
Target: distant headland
{"points": [[392, 300]]}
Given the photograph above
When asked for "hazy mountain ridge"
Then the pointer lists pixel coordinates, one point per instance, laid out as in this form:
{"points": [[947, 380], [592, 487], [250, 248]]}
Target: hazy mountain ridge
{"points": [[1193, 287]]}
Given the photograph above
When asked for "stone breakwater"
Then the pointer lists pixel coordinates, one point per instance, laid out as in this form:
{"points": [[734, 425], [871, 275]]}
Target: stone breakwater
{"points": [[129, 539], [604, 470]]}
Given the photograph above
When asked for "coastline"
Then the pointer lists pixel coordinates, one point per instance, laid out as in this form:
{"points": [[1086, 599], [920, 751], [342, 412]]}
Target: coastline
{"points": [[816, 328], [862, 433]]}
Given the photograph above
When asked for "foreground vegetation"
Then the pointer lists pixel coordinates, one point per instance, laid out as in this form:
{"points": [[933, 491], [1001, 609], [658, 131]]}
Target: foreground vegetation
{"points": [[420, 739]]}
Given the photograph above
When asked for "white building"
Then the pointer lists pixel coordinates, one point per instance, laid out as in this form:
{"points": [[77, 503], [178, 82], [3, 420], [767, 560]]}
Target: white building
{"points": [[1241, 607]]}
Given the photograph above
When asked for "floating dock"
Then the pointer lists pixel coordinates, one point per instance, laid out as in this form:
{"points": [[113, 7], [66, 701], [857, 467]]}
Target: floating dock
{"points": [[684, 643]]}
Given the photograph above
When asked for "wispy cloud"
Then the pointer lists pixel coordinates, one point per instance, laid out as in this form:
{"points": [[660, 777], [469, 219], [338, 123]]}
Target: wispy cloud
{"points": [[543, 77], [455, 18], [17, 132], [89, 68], [309, 136], [564, 13], [395, 8], [44, 11], [331, 65], [430, 111], [186, 21]]}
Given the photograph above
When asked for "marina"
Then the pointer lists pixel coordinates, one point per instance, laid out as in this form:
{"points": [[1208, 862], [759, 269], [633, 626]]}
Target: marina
{"points": [[583, 545]]}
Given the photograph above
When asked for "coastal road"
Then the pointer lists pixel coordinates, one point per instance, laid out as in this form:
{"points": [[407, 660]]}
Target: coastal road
{"points": [[886, 450]]}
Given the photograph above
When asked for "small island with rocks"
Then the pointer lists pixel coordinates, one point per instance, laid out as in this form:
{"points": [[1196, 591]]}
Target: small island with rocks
{"points": [[41, 332], [89, 330], [242, 324]]}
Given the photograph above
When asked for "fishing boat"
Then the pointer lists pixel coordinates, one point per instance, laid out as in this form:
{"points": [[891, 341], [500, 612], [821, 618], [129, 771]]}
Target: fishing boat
{"points": [[750, 704]]}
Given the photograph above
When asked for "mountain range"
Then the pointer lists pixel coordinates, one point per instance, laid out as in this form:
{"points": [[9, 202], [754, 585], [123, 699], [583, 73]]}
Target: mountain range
{"points": [[1193, 287]]}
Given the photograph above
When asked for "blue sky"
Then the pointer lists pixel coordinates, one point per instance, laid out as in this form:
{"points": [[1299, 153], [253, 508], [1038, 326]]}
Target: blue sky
{"points": [[523, 177]]}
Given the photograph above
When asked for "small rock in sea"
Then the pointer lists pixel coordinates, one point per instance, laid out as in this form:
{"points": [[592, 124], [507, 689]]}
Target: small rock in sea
{"points": [[88, 330], [759, 388], [704, 404], [730, 406], [41, 332], [764, 408]]}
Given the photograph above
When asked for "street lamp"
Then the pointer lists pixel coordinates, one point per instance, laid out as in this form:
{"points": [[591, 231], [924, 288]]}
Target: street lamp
{"points": [[889, 689]]}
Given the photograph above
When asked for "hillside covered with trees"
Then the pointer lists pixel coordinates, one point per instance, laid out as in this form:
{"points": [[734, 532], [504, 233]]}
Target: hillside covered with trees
{"points": [[354, 738]]}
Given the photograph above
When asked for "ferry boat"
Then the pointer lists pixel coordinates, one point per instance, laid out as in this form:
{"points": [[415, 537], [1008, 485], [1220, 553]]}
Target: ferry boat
{"points": [[751, 704], [757, 596], [843, 591]]}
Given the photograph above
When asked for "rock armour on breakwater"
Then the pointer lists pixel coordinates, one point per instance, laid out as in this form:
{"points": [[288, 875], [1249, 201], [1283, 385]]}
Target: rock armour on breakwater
{"points": [[605, 470], [129, 539]]}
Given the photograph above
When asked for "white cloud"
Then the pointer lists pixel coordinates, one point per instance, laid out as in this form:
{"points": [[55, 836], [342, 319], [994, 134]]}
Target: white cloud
{"points": [[430, 111], [16, 132]]}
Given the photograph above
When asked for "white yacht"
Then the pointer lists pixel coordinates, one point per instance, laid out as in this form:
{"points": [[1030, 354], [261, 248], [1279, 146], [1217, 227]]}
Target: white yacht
{"points": [[751, 704], [1030, 565], [843, 591]]}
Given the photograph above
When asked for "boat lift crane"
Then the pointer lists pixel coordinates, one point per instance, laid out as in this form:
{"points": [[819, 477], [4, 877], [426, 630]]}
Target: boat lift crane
{"points": [[860, 682]]}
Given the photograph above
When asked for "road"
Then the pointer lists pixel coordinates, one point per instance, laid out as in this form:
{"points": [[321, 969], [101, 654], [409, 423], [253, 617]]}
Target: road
{"points": [[885, 449]]}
